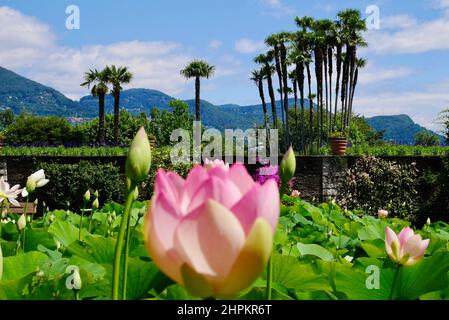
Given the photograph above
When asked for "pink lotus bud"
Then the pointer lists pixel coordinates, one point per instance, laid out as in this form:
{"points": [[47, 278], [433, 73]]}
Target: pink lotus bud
{"points": [[407, 248], [296, 194], [213, 231], [382, 214]]}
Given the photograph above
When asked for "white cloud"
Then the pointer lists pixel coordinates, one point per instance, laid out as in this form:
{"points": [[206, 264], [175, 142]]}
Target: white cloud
{"points": [[442, 4], [248, 46], [277, 8], [29, 48], [215, 44], [374, 74], [411, 38], [398, 22]]}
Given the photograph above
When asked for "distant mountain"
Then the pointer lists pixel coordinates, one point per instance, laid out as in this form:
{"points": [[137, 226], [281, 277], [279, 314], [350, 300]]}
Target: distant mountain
{"points": [[400, 129], [21, 94]]}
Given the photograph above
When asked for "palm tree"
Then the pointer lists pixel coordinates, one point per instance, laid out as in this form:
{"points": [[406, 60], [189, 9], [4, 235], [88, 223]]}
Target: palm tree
{"points": [[268, 69], [293, 78], [257, 76], [360, 64], [285, 37], [274, 41], [306, 39], [298, 56], [353, 27], [338, 38], [198, 69], [98, 80], [117, 77]]}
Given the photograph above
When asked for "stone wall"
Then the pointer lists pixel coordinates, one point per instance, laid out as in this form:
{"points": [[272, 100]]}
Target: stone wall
{"points": [[317, 177]]}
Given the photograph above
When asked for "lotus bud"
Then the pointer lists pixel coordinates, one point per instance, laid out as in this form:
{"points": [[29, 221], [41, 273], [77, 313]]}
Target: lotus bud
{"points": [[58, 244], [96, 194], [36, 180], [36, 202], [287, 168], [382, 214], [428, 222], [21, 223], [86, 196], [296, 194], [139, 157], [406, 248], [51, 218], [95, 204]]}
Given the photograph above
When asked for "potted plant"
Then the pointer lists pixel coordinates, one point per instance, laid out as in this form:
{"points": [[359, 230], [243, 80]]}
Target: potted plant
{"points": [[339, 142]]}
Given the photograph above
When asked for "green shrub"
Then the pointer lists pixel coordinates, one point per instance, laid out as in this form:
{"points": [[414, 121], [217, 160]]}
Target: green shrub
{"points": [[434, 195], [68, 182], [374, 184], [129, 125], [28, 129]]}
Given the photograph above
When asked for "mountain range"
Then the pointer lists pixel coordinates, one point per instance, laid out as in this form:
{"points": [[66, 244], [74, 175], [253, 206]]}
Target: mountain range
{"points": [[22, 94]]}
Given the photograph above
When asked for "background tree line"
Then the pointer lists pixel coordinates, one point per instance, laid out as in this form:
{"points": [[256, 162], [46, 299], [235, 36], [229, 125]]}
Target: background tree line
{"points": [[327, 49]]}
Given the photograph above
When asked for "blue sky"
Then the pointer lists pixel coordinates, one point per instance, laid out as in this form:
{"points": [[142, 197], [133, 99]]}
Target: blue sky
{"points": [[407, 72]]}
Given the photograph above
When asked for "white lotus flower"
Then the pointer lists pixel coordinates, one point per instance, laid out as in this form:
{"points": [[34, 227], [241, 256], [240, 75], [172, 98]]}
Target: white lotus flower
{"points": [[9, 194], [36, 180]]}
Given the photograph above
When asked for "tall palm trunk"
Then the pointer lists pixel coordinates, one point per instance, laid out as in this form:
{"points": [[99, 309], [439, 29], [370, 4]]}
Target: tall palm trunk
{"points": [[295, 96], [197, 99], [300, 77], [311, 133], [264, 105], [116, 95], [281, 87], [330, 69], [319, 84], [337, 84], [273, 100], [347, 83], [327, 91], [344, 89], [356, 77], [352, 59], [283, 52], [101, 124]]}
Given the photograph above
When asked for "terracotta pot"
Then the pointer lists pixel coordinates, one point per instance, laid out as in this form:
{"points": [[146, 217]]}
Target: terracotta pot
{"points": [[339, 146]]}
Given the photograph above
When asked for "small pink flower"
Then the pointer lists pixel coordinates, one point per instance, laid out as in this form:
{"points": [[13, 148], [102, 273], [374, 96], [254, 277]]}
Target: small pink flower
{"points": [[213, 231], [407, 248], [296, 193]]}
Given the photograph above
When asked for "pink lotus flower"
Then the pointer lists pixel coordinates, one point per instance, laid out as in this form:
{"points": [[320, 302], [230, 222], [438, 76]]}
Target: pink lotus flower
{"points": [[296, 194], [407, 248], [212, 232]]}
